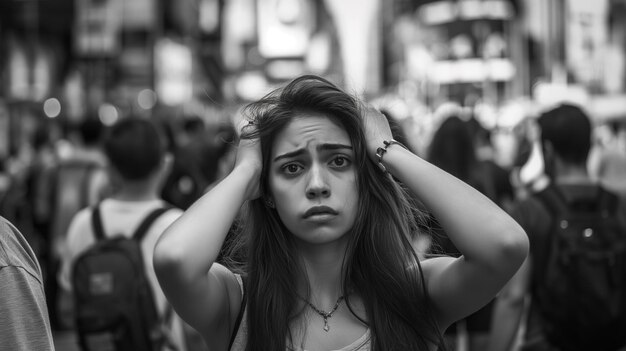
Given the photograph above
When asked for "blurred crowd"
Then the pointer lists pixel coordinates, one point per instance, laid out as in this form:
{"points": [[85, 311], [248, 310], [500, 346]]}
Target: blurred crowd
{"points": [[62, 169]]}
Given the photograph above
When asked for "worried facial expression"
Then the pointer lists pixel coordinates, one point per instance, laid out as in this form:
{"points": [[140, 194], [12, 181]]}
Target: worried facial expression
{"points": [[312, 179]]}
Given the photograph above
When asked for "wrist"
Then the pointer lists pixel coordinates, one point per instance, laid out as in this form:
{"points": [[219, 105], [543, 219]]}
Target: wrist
{"points": [[382, 150], [248, 175]]}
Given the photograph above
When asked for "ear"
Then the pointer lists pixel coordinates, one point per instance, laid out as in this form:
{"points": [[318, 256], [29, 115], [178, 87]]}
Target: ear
{"points": [[548, 150], [167, 162], [164, 169], [549, 158], [113, 174]]}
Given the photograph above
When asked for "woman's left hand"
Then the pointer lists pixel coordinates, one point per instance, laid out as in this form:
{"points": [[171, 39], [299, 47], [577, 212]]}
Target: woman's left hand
{"points": [[377, 130]]}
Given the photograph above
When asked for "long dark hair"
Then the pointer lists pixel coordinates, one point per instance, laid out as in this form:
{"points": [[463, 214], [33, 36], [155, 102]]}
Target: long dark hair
{"points": [[452, 148], [380, 263]]}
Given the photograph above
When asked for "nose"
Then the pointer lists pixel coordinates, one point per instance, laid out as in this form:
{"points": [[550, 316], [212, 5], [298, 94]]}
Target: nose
{"points": [[317, 185]]}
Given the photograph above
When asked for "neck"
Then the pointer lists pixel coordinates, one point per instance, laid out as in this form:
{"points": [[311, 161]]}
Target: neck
{"points": [[571, 174], [137, 191], [323, 265]]}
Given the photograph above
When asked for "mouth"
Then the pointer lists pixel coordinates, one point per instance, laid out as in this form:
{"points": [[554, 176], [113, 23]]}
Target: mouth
{"points": [[320, 211]]}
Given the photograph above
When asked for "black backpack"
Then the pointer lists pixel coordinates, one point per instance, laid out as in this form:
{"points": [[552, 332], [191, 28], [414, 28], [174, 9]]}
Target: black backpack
{"points": [[114, 307], [581, 289]]}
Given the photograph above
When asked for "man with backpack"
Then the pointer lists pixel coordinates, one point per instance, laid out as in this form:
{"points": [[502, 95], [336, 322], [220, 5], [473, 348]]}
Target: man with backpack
{"points": [[117, 299], [572, 288]]}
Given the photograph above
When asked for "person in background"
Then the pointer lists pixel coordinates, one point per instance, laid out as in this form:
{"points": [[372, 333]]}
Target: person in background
{"points": [[330, 264], [452, 149], [186, 181], [136, 151], [502, 191], [79, 179], [563, 135], [607, 163], [24, 320]]}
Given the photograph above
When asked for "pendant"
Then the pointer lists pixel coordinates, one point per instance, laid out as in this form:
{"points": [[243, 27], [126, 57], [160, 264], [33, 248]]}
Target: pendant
{"points": [[326, 327]]}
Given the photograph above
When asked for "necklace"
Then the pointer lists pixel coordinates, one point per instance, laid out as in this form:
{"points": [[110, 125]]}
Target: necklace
{"points": [[325, 315]]}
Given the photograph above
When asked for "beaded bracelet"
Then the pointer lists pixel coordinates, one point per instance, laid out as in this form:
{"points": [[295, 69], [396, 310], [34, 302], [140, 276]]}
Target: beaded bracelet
{"points": [[383, 149]]}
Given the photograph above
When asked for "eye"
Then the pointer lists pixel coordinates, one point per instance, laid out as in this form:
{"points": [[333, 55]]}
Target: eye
{"points": [[340, 161], [291, 168]]}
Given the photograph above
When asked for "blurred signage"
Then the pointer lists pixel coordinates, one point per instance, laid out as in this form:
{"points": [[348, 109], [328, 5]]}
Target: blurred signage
{"points": [[209, 16], [98, 24], [174, 72], [359, 28], [470, 50], [251, 85], [30, 71], [472, 70], [284, 69], [138, 14], [18, 73], [438, 12], [135, 60], [586, 39], [547, 95], [284, 27], [239, 30]]}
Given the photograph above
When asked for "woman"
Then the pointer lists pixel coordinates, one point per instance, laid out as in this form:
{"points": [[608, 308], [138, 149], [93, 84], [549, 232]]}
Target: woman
{"points": [[452, 150], [330, 264]]}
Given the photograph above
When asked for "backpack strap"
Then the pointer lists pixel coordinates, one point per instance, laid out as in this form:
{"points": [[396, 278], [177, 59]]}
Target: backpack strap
{"points": [[88, 172], [143, 227], [241, 311], [165, 319], [609, 202], [553, 199], [96, 223], [557, 202]]}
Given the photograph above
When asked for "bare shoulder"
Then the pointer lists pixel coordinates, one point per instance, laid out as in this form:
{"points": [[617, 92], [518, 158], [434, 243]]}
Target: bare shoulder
{"points": [[214, 314], [225, 276], [230, 286]]}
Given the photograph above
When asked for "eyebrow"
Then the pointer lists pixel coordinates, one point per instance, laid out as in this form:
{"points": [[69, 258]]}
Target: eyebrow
{"points": [[321, 147]]}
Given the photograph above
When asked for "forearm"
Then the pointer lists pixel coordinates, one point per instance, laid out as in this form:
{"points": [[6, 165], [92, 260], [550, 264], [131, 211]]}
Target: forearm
{"points": [[480, 229], [192, 243]]}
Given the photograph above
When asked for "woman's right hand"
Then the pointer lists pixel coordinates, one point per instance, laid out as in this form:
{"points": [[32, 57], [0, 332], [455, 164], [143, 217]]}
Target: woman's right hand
{"points": [[249, 160], [377, 130]]}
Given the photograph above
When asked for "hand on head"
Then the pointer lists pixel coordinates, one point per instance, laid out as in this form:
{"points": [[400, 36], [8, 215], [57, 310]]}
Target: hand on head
{"points": [[377, 130], [249, 156]]}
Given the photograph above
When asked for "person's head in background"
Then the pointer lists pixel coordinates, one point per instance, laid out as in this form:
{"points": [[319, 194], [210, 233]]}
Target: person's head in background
{"points": [[218, 151], [91, 131], [376, 244], [482, 139], [46, 134], [452, 148], [193, 129], [565, 139], [618, 133], [137, 151]]}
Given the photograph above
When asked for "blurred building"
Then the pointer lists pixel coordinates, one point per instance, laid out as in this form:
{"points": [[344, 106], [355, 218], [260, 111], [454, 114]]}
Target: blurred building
{"points": [[466, 51], [114, 57]]}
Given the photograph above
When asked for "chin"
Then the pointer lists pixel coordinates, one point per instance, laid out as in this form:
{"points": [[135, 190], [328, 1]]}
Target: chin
{"points": [[322, 236]]}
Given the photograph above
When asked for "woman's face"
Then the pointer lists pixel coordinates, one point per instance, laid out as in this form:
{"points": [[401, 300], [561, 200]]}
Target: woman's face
{"points": [[312, 179]]}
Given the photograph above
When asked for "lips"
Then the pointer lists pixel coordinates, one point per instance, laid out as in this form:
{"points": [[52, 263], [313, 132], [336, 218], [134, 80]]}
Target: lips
{"points": [[319, 210]]}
